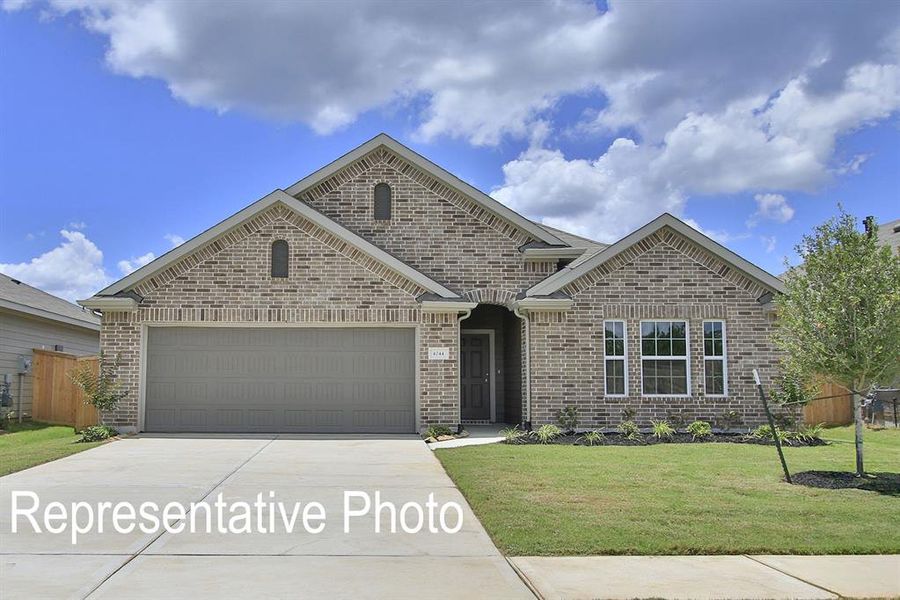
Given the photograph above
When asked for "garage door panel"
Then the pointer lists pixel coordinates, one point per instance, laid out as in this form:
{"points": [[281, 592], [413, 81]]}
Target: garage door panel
{"points": [[280, 379]]}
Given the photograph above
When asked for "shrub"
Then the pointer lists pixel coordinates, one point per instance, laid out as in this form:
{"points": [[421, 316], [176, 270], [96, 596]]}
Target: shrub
{"points": [[810, 433], [547, 433], [514, 435], [630, 430], [764, 432], [677, 419], [700, 430], [662, 430], [436, 430], [96, 433], [591, 438], [567, 418], [101, 390], [730, 419]]}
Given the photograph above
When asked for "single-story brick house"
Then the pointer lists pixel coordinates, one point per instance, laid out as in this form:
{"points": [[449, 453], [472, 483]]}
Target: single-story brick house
{"points": [[383, 294]]}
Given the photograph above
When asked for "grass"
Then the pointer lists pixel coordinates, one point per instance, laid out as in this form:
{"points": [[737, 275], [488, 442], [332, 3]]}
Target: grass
{"points": [[32, 443], [677, 499]]}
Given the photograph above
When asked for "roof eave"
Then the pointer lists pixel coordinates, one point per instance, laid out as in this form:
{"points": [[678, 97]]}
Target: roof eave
{"points": [[47, 315], [110, 303]]}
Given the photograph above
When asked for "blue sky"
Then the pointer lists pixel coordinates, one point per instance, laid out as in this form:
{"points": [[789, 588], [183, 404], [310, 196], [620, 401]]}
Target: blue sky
{"points": [[123, 132]]}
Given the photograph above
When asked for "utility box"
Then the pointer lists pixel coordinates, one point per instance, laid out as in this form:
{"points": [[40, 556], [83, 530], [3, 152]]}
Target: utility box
{"points": [[24, 364]]}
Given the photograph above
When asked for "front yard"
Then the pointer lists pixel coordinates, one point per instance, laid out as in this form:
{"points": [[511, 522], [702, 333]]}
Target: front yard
{"points": [[677, 499], [31, 443]]}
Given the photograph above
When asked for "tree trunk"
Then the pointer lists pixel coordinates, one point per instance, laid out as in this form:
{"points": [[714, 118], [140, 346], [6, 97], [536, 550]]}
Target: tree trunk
{"points": [[858, 421]]}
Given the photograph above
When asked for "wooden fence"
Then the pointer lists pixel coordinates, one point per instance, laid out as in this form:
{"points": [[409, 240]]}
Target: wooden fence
{"points": [[835, 407], [55, 399]]}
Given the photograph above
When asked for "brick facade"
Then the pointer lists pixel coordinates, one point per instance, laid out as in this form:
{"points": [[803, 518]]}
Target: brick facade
{"points": [[455, 241], [666, 277], [434, 229]]}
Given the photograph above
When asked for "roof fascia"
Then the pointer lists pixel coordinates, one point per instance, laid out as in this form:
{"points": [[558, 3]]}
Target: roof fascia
{"points": [[48, 315]]}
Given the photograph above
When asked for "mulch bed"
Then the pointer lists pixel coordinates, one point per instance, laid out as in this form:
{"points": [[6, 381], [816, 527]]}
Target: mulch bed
{"points": [[617, 439], [883, 483]]}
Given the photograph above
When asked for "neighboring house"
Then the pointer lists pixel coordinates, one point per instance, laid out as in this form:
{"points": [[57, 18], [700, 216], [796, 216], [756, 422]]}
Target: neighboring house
{"points": [[383, 294], [889, 234], [31, 318]]}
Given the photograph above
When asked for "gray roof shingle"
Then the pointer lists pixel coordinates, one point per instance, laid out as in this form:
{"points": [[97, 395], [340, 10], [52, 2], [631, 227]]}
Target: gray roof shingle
{"points": [[21, 297]]}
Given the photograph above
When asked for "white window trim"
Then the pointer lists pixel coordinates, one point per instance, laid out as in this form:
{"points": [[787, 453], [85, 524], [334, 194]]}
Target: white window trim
{"points": [[686, 357], [724, 359], [623, 358]]}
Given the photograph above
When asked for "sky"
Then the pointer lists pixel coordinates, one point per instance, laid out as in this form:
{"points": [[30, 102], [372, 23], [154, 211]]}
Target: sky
{"points": [[129, 127]]}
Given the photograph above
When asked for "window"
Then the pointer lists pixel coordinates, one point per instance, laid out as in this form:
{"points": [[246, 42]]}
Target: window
{"points": [[382, 202], [279, 258], [664, 358], [715, 369], [614, 365]]}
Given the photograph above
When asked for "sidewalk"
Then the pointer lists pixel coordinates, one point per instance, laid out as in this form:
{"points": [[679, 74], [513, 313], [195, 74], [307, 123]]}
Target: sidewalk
{"points": [[719, 577]]}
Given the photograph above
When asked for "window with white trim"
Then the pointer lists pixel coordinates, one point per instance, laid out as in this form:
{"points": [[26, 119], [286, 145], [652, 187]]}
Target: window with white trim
{"points": [[614, 358], [665, 369], [715, 368]]}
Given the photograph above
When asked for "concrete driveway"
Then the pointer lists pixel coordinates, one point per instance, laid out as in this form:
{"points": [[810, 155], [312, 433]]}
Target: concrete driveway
{"points": [[361, 564]]}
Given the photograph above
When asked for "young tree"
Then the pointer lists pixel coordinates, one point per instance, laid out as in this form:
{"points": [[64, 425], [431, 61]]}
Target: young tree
{"points": [[101, 388], [840, 316]]}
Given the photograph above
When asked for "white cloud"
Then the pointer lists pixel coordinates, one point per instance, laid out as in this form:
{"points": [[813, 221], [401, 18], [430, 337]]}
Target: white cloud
{"points": [[77, 225], [769, 242], [73, 270], [133, 264], [603, 199], [174, 239], [774, 207], [480, 70], [705, 98]]}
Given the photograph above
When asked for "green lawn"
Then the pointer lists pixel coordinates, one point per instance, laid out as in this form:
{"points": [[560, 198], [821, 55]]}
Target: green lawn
{"points": [[677, 499], [30, 443]]}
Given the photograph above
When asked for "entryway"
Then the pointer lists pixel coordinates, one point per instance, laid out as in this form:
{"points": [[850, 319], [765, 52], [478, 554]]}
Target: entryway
{"points": [[490, 370]]}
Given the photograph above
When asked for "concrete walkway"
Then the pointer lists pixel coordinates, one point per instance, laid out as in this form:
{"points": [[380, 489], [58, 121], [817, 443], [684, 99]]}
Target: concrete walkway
{"points": [[711, 577], [359, 564]]}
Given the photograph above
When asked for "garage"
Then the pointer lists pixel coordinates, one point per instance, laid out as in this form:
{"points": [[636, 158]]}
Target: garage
{"points": [[280, 380]]}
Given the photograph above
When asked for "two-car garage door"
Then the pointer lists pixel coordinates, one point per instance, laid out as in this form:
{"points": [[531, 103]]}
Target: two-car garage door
{"points": [[280, 379]]}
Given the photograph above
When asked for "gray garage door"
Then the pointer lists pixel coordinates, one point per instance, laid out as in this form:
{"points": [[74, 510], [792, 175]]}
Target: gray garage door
{"points": [[294, 379]]}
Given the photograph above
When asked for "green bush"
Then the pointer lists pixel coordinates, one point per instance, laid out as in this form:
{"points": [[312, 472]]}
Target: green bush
{"points": [[700, 430], [102, 389], [630, 430], [810, 433], [730, 419], [662, 430], [97, 433], [514, 435], [436, 430], [567, 418], [547, 433], [764, 432], [591, 438]]}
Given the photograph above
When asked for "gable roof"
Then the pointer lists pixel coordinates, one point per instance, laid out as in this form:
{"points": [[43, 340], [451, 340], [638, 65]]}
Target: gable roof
{"points": [[307, 212], [445, 177], [562, 278], [23, 298]]}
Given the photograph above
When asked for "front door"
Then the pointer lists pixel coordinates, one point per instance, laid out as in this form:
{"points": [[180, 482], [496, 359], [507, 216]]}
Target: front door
{"points": [[475, 376]]}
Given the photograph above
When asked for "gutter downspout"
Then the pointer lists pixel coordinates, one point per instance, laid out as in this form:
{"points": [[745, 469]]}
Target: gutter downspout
{"points": [[462, 317], [527, 357]]}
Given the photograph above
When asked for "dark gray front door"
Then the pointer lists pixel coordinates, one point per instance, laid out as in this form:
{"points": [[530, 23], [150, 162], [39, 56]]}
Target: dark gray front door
{"points": [[280, 379], [475, 376]]}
